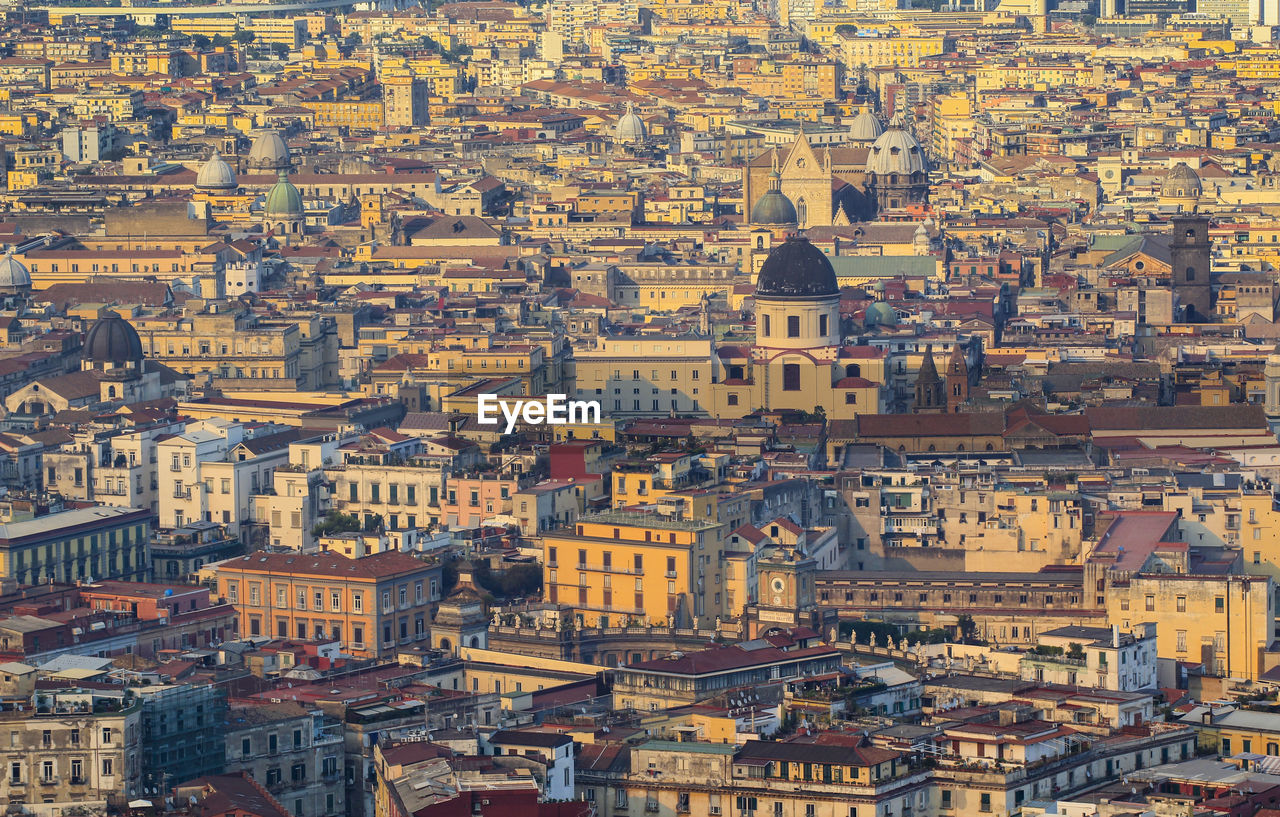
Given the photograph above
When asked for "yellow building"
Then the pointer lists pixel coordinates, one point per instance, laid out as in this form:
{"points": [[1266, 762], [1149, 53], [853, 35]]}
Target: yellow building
{"points": [[897, 51], [346, 113], [622, 566], [1223, 621]]}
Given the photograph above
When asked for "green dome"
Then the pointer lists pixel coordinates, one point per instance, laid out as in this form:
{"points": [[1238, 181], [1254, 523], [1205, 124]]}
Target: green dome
{"points": [[284, 199], [880, 314], [774, 208]]}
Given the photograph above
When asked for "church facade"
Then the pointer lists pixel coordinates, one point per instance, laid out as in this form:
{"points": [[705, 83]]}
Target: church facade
{"points": [[842, 183], [798, 360]]}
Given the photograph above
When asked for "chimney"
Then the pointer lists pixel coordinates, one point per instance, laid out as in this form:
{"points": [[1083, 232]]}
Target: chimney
{"points": [[1115, 636]]}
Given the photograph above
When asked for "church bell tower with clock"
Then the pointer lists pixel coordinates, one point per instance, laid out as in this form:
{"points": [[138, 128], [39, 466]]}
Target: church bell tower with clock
{"points": [[785, 592]]}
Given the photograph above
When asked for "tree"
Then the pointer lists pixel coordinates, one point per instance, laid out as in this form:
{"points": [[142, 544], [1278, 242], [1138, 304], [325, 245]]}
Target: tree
{"points": [[373, 522], [1088, 19], [243, 37], [336, 522], [968, 627], [200, 41]]}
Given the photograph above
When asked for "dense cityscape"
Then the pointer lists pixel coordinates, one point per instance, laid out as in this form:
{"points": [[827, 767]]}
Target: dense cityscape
{"points": [[615, 408]]}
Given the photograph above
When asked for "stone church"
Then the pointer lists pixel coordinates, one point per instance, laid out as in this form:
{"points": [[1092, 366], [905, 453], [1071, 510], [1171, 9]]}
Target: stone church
{"points": [[843, 183]]}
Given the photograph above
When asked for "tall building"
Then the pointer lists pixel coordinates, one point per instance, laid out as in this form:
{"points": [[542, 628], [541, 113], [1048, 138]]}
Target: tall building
{"points": [[404, 98]]}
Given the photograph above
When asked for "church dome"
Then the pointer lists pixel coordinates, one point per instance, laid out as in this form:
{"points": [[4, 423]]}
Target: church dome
{"points": [[284, 199], [216, 174], [896, 152], [1181, 182], [630, 127], [796, 269], [865, 127], [13, 273], [880, 314], [113, 340], [269, 152], [774, 207]]}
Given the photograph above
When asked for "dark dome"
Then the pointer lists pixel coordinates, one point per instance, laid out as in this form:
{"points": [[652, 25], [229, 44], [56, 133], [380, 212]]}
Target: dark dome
{"points": [[112, 339], [796, 269]]}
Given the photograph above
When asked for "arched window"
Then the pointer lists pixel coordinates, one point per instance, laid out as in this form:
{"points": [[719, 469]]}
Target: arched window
{"points": [[990, 447], [853, 370], [802, 211], [759, 242]]}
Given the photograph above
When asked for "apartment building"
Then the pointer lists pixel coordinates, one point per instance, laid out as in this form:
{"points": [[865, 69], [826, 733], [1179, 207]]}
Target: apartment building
{"points": [[371, 606], [621, 566], [78, 750], [78, 544], [295, 752], [210, 473], [246, 350]]}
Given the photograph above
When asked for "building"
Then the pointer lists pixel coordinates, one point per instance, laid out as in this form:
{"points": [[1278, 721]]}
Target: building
{"points": [[688, 678], [296, 753], [80, 749], [181, 732], [371, 606], [623, 566], [77, 544]]}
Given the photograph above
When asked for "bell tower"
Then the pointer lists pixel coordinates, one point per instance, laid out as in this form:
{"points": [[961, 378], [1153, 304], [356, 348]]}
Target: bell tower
{"points": [[1190, 258], [785, 591], [957, 379]]}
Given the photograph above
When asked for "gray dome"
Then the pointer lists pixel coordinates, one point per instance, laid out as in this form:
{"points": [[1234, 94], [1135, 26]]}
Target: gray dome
{"points": [[774, 207], [269, 152], [113, 340], [216, 174], [630, 128], [865, 127], [797, 269], [896, 152], [13, 273], [1181, 181]]}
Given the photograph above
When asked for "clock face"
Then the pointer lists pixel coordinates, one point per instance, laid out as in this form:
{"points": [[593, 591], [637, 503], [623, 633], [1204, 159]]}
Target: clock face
{"points": [[778, 584]]}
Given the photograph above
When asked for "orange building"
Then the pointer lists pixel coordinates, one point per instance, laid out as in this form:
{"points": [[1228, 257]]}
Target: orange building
{"points": [[371, 605]]}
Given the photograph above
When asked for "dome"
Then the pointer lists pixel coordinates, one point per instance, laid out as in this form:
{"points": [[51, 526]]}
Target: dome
{"points": [[630, 128], [865, 127], [13, 273], [796, 269], [774, 207], [880, 314], [113, 340], [216, 174], [284, 199], [1181, 181], [896, 152], [269, 152]]}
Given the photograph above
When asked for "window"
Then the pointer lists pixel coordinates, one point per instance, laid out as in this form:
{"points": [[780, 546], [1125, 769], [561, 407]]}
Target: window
{"points": [[791, 377], [822, 325], [1182, 641], [1151, 603], [15, 771], [335, 601], [1182, 604], [357, 602], [108, 767], [793, 326], [985, 803], [46, 771], [1219, 604]]}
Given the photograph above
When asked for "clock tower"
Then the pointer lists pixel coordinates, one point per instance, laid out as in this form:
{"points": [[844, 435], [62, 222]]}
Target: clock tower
{"points": [[785, 592]]}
